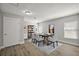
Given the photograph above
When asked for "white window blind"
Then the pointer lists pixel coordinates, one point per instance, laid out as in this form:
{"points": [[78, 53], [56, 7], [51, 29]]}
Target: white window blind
{"points": [[71, 30]]}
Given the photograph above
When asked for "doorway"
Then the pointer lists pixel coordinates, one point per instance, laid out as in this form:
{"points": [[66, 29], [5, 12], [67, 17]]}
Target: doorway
{"points": [[11, 31]]}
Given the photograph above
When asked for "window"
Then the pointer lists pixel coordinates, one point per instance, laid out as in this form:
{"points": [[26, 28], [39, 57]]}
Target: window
{"points": [[71, 30]]}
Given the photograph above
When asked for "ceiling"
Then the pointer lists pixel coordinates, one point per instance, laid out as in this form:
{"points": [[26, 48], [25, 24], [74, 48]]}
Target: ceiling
{"points": [[40, 11]]}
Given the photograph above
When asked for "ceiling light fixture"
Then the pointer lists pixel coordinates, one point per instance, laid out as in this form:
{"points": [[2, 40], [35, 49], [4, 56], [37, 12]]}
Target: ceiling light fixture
{"points": [[27, 12]]}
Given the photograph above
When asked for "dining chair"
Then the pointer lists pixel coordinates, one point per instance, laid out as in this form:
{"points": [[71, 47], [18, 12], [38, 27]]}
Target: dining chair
{"points": [[53, 40], [36, 39], [40, 40]]}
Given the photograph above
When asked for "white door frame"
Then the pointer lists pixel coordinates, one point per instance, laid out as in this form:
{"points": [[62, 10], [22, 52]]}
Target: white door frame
{"points": [[18, 21]]}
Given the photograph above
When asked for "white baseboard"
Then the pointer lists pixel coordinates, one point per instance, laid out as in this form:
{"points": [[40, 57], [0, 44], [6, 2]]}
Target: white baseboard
{"points": [[70, 43], [2, 47], [15, 44], [21, 42]]}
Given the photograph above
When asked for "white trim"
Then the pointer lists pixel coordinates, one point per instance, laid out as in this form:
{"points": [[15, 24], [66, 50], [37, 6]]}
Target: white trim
{"points": [[70, 43], [21, 42], [2, 47], [12, 45]]}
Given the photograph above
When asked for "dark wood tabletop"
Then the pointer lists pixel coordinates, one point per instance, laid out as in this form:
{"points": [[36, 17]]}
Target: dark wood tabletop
{"points": [[45, 37]]}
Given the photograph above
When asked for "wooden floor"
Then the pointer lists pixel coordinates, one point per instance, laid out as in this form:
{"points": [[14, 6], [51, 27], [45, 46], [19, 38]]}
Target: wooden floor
{"points": [[28, 49]]}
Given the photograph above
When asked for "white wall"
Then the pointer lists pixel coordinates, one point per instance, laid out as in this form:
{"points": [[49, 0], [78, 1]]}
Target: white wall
{"points": [[1, 30], [59, 27]]}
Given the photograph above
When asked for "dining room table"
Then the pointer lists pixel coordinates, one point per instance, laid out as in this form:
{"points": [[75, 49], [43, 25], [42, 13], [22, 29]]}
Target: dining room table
{"points": [[45, 37]]}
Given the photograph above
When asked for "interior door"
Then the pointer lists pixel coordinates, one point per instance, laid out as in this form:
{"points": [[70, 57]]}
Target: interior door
{"points": [[11, 31]]}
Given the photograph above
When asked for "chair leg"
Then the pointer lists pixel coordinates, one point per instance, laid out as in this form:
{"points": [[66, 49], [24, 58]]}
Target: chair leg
{"points": [[57, 43], [33, 40], [53, 44], [38, 44], [43, 42]]}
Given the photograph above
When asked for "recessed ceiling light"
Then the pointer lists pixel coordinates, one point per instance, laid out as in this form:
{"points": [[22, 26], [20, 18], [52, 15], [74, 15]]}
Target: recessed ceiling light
{"points": [[28, 12]]}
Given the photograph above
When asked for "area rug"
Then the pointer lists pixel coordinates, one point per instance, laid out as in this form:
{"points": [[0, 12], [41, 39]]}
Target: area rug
{"points": [[48, 49]]}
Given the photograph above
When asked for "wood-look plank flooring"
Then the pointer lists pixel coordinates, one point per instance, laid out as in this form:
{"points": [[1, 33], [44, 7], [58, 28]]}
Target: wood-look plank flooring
{"points": [[28, 49]]}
